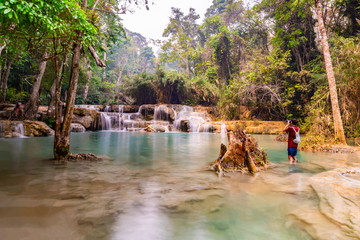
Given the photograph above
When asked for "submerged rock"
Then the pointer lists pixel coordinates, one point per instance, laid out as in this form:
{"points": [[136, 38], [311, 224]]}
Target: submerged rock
{"points": [[338, 213], [243, 153], [82, 157]]}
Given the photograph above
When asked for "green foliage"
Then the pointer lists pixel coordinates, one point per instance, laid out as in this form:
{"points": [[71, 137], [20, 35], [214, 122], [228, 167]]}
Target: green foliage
{"points": [[50, 121], [14, 95]]}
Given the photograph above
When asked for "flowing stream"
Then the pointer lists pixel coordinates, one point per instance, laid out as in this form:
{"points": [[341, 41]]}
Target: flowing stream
{"points": [[155, 186]]}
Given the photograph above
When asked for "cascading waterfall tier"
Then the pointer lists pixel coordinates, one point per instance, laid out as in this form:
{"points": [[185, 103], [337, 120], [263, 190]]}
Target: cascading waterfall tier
{"points": [[164, 118], [18, 129]]}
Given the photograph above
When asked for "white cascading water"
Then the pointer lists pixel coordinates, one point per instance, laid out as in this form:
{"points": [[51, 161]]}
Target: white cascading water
{"points": [[198, 121], [105, 121], [120, 121], [19, 128], [95, 107], [78, 128]]}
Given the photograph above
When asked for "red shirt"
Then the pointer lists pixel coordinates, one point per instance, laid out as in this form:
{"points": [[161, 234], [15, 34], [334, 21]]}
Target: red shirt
{"points": [[292, 135]]}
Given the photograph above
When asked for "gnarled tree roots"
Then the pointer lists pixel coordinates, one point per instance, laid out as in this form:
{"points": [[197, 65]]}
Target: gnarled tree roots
{"points": [[243, 154]]}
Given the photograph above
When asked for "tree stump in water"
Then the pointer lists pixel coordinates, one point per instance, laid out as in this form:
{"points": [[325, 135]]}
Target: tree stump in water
{"points": [[243, 154]]}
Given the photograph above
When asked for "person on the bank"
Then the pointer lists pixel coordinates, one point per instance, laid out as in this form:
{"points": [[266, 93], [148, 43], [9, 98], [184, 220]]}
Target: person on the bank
{"points": [[290, 128], [19, 108]]}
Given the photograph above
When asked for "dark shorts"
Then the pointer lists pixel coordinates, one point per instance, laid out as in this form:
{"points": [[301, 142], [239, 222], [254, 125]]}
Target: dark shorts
{"points": [[292, 151]]}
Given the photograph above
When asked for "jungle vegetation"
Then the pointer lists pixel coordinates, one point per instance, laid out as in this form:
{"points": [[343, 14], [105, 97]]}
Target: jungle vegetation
{"points": [[280, 59]]}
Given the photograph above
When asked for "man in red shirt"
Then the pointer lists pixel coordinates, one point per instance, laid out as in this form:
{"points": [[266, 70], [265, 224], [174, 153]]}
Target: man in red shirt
{"points": [[290, 128]]}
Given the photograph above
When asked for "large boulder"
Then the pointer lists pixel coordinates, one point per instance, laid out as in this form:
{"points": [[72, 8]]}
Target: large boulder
{"points": [[125, 108], [164, 112], [86, 117], [147, 111], [37, 129], [243, 153]]}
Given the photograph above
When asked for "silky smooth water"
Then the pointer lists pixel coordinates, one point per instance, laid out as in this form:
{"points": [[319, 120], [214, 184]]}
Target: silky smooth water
{"points": [[155, 186]]}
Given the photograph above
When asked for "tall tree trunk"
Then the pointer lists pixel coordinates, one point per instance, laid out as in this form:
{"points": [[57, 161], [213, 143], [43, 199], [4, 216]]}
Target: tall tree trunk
{"points": [[5, 80], [62, 131], [338, 125], [52, 98], [59, 75], [31, 107], [88, 77]]}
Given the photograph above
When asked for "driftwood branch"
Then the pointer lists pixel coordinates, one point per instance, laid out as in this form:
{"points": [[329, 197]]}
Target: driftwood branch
{"points": [[98, 60]]}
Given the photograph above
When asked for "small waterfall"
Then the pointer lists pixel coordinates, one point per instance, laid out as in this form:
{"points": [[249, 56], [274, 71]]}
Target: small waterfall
{"points": [[105, 121], [194, 121], [223, 128], [161, 113], [76, 127], [121, 120], [107, 109], [19, 129]]}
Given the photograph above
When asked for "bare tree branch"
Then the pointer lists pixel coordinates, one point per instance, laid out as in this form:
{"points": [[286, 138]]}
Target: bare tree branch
{"points": [[98, 60]]}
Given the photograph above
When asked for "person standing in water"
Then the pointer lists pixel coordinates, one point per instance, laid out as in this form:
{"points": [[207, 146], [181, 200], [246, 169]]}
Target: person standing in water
{"points": [[292, 129]]}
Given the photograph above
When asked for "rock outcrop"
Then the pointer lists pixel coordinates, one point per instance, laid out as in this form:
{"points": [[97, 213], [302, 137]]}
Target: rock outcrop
{"points": [[338, 216], [37, 129], [87, 117], [243, 154], [251, 127]]}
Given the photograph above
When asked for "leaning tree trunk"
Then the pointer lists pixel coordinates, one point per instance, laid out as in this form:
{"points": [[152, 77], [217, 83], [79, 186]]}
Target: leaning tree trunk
{"points": [[5, 80], [338, 125], [62, 131], [32, 106]]}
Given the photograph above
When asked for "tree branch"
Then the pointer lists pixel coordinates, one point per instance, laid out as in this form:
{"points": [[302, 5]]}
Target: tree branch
{"points": [[98, 60]]}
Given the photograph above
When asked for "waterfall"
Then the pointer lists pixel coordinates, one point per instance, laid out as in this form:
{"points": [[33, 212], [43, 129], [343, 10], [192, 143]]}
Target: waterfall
{"points": [[19, 129], [105, 121], [223, 128], [194, 121], [76, 127], [121, 120], [165, 117]]}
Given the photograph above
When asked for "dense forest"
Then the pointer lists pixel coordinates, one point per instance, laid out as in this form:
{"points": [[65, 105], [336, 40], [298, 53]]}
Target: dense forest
{"points": [[270, 57]]}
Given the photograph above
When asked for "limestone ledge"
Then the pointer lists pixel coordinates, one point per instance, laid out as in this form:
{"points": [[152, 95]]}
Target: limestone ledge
{"points": [[9, 129], [251, 127]]}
